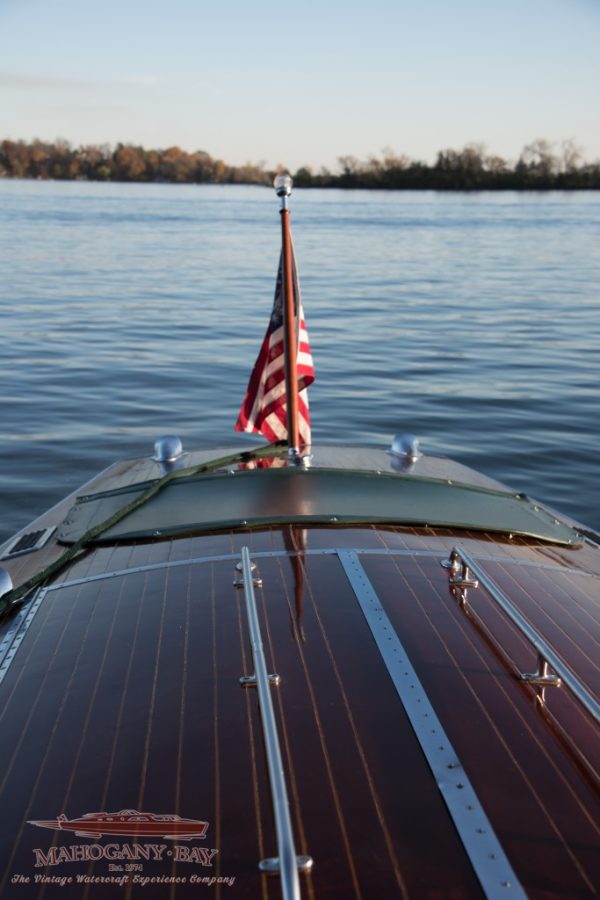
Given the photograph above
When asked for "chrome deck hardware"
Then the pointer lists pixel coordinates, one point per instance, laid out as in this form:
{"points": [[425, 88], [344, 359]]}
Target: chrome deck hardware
{"points": [[270, 866], [287, 864], [168, 449], [453, 563], [405, 445], [239, 582], [404, 452], [250, 680], [6, 584], [460, 578], [256, 579], [542, 677], [547, 658]]}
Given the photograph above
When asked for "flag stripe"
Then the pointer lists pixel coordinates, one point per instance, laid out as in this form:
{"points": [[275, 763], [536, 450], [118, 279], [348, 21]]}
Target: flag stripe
{"points": [[264, 409]]}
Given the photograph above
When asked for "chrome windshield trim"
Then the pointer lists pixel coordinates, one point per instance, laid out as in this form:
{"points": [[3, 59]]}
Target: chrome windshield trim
{"points": [[490, 863], [288, 863]]}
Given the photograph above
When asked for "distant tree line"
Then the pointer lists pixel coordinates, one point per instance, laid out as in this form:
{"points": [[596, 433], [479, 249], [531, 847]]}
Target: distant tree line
{"points": [[125, 162], [541, 166]]}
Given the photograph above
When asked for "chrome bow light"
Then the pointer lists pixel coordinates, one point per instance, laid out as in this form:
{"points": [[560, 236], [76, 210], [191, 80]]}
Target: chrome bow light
{"points": [[168, 449], [405, 446], [404, 452], [283, 184]]}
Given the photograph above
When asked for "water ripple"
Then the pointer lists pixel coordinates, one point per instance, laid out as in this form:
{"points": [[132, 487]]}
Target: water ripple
{"points": [[135, 310]]}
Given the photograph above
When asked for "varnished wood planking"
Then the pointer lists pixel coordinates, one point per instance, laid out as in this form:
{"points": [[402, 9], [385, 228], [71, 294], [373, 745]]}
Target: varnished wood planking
{"points": [[116, 721], [548, 601], [495, 728], [377, 793], [343, 773]]}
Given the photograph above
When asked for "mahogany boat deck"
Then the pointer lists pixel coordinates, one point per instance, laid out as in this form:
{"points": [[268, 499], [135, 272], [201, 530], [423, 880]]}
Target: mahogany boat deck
{"points": [[417, 763]]}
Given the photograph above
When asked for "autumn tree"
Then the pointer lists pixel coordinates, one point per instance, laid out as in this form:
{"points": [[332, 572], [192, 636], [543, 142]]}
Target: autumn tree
{"points": [[15, 158], [128, 163]]}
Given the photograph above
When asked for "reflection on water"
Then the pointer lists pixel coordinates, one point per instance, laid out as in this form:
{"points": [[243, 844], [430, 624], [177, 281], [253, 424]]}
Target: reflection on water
{"points": [[130, 311]]}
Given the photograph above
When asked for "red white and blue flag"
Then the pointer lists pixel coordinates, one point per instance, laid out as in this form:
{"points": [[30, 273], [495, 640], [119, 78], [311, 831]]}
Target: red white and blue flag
{"points": [[265, 407]]}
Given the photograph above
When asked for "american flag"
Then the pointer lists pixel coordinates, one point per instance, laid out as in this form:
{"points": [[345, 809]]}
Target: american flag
{"points": [[264, 406]]}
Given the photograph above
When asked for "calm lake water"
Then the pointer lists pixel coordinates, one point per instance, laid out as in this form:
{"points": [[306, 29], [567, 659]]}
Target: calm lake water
{"points": [[130, 311]]}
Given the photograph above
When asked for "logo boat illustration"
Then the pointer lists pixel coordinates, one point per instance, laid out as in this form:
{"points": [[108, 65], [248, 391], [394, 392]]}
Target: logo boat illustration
{"points": [[129, 822]]}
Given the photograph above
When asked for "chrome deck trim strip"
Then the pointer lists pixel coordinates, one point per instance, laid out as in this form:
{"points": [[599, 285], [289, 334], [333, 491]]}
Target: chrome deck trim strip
{"points": [[288, 864], [324, 551], [543, 649], [14, 637], [494, 871], [198, 560], [136, 570]]}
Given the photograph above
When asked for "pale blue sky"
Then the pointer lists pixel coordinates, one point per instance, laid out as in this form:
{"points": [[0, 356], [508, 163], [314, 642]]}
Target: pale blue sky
{"points": [[304, 83]]}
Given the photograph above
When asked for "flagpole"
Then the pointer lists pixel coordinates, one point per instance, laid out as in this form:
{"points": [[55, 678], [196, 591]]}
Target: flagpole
{"points": [[283, 189]]}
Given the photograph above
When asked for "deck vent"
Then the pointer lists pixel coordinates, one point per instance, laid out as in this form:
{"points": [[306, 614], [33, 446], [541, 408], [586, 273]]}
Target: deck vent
{"points": [[26, 543]]}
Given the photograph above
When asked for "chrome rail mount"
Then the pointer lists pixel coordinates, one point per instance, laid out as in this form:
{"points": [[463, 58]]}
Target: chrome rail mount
{"points": [[461, 567], [287, 864]]}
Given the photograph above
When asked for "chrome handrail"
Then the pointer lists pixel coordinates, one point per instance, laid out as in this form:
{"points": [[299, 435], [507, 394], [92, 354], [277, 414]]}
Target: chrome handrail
{"points": [[545, 652], [288, 861]]}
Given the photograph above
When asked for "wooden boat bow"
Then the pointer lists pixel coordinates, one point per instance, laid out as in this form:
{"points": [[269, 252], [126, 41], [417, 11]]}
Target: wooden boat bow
{"points": [[415, 758]]}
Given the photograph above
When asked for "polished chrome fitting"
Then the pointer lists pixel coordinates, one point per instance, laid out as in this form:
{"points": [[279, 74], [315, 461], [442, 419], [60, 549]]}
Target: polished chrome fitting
{"points": [[453, 563], [271, 865], [6, 584], [250, 680], [168, 449], [460, 578], [405, 446], [543, 677]]}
